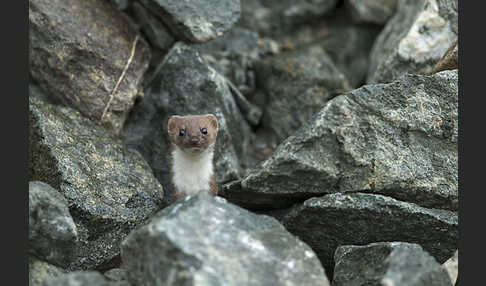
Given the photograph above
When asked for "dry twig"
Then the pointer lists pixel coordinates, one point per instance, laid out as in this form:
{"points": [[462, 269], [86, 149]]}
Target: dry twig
{"points": [[134, 45]]}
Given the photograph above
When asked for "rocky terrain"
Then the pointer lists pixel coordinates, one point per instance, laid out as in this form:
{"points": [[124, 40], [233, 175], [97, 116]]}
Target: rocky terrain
{"points": [[336, 157]]}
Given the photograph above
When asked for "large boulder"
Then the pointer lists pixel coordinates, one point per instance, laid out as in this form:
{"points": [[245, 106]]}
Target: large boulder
{"points": [[397, 139], [297, 84], [186, 84], [327, 222], [196, 20], [78, 50], [51, 228], [109, 189], [414, 39], [204, 240], [387, 263]]}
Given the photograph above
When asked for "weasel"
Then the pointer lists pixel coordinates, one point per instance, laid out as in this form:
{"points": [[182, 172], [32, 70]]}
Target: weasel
{"points": [[192, 140]]}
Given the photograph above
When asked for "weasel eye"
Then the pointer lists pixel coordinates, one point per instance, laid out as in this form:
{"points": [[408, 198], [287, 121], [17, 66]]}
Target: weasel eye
{"points": [[181, 132], [204, 131]]}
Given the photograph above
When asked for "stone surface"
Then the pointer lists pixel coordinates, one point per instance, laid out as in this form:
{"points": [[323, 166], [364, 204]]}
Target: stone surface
{"points": [[371, 11], [276, 17], [196, 20], [297, 83], [51, 228], [387, 263], [185, 84], [414, 39], [116, 274], [327, 222], [41, 271], [78, 50], [158, 35], [109, 188], [397, 139], [452, 267], [77, 278], [349, 46], [206, 241], [233, 56]]}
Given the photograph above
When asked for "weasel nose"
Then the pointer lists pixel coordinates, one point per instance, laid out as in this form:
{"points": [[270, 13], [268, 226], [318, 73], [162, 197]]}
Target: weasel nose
{"points": [[194, 140]]}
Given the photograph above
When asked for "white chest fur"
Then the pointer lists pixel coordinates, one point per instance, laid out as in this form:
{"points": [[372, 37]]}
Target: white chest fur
{"points": [[192, 172]]}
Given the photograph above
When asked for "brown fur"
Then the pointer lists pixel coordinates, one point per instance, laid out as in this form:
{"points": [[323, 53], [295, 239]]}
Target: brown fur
{"points": [[193, 138]]}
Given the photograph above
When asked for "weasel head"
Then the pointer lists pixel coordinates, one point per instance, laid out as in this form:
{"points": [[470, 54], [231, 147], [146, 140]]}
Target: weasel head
{"points": [[193, 133]]}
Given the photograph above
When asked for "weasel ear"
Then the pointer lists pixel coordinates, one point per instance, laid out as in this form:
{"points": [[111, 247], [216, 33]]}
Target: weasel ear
{"points": [[213, 121], [172, 123]]}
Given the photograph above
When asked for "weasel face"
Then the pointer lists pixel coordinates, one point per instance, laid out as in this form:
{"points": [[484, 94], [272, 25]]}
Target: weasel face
{"points": [[193, 133]]}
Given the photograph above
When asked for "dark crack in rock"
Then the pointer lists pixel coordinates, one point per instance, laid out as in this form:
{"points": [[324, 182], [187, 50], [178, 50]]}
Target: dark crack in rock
{"points": [[196, 20], [78, 50], [414, 39], [387, 263], [51, 228], [185, 84], [206, 241], [397, 139], [325, 223], [109, 189], [157, 33]]}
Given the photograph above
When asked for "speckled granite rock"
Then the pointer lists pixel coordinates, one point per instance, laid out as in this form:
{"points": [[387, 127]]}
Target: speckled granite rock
{"points": [[387, 263], [51, 228], [196, 20], [204, 240], [109, 189], [185, 84], [397, 139], [325, 223], [414, 39], [82, 278], [77, 52]]}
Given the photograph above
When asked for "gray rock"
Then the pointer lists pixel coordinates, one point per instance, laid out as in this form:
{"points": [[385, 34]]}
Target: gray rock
{"points": [[77, 278], [41, 271], [349, 47], [197, 20], [206, 241], [414, 39], [397, 139], [157, 34], [327, 222], [109, 188], [276, 17], [185, 84], [121, 4], [51, 228], [297, 84], [452, 267], [78, 50], [387, 263], [371, 11], [233, 55], [116, 274]]}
